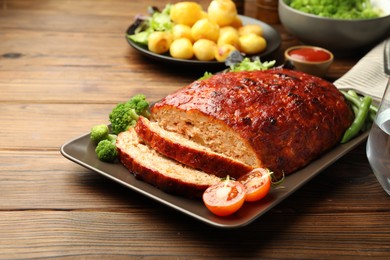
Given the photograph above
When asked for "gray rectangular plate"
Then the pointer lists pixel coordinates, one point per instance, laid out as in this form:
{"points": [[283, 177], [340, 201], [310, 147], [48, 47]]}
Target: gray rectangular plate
{"points": [[81, 151]]}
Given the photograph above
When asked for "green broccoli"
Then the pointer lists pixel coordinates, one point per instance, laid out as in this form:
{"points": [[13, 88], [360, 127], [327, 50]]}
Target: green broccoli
{"points": [[112, 138], [125, 115], [99, 133], [106, 149]]}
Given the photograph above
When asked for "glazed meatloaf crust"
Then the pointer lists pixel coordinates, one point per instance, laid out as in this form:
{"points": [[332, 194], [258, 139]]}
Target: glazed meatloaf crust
{"points": [[153, 168], [188, 152], [278, 119]]}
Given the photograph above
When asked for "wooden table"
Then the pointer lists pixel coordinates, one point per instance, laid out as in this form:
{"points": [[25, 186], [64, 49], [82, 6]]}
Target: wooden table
{"points": [[63, 66]]}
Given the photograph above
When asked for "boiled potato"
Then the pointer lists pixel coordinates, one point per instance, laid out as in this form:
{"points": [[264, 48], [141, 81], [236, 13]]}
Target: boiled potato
{"points": [[181, 49], [222, 12], [159, 42], [228, 36], [227, 29], [250, 28], [204, 49], [186, 13], [237, 22], [205, 29], [204, 15], [222, 52], [181, 31], [252, 43]]}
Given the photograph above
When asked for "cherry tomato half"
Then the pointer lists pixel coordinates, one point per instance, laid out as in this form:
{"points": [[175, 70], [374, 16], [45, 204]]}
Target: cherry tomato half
{"points": [[224, 198], [257, 184]]}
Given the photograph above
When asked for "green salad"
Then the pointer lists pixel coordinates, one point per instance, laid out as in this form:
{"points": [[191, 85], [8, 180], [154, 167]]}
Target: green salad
{"points": [[340, 9]]}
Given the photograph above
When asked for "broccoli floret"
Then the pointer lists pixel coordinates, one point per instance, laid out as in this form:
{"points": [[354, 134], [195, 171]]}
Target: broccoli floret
{"points": [[140, 104], [99, 133], [125, 115], [106, 150], [112, 138]]}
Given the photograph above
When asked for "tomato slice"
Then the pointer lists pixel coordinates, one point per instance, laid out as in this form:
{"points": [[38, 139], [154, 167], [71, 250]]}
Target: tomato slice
{"points": [[224, 198], [257, 184]]}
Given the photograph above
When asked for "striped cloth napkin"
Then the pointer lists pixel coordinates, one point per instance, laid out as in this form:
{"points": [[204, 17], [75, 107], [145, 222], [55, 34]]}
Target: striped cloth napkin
{"points": [[367, 76]]}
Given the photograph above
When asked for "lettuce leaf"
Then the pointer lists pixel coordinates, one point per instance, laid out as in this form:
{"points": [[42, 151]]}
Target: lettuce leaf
{"points": [[158, 21], [249, 65]]}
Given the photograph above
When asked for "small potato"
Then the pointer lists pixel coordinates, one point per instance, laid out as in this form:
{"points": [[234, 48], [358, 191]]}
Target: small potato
{"points": [[204, 49], [205, 29], [252, 43], [159, 42], [204, 15], [181, 49], [227, 29], [228, 37], [186, 13], [222, 12], [237, 22], [222, 52], [182, 31], [250, 28]]}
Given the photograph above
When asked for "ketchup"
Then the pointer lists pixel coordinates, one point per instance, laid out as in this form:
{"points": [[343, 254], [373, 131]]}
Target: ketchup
{"points": [[309, 54]]}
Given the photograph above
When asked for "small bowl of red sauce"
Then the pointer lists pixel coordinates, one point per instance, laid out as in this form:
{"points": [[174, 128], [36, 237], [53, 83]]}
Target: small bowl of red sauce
{"points": [[310, 59]]}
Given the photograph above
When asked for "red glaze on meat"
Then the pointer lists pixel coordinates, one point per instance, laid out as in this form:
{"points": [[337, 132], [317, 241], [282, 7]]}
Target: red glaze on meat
{"points": [[288, 117]]}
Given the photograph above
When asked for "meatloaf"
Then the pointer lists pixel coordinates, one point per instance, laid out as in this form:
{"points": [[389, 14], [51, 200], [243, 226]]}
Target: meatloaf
{"points": [[153, 168], [278, 119], [189, 153]]}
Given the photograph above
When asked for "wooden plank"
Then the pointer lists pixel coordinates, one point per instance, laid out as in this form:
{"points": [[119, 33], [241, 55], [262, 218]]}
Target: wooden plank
{"points": [[110, 233], [46, 180], [83, 86], [52, 124], [75, 7], [62, 73]]}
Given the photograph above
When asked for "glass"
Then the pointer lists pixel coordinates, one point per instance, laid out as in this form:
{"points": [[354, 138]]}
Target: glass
{"points": [[378, 144]]}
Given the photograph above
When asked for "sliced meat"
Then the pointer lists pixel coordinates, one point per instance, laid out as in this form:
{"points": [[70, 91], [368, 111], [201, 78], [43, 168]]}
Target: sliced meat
{"points": [[278, 119], [188, 152], [166, 174]]}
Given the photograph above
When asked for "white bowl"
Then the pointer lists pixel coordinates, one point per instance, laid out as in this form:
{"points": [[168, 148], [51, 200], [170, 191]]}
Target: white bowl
{"points": [[336, 34]]}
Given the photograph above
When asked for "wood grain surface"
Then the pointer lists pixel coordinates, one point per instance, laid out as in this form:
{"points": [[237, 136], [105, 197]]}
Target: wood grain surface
{"points": [[63, 66]]}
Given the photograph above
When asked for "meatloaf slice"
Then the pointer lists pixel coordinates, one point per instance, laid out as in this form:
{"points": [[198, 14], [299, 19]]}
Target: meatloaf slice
{"points": [[188, 152], [166, 174], [278, 119]]}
